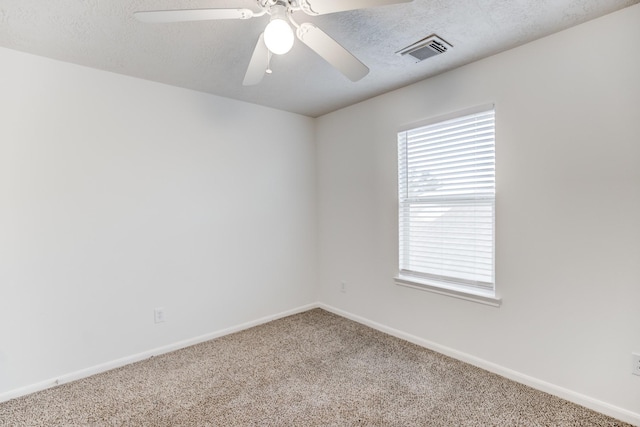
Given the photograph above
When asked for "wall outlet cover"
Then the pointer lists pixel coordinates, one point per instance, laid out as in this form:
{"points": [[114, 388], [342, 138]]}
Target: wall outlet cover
{"points": [[158, 315]]}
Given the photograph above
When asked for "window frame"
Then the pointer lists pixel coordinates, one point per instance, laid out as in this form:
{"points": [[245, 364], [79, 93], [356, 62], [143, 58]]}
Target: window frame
{"points": [[462, 289]]}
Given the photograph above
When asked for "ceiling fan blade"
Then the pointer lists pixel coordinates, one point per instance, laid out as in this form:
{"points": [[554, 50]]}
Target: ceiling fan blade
{"points": [[258, 64], [321, 7], [332, 52], [160, 16]]}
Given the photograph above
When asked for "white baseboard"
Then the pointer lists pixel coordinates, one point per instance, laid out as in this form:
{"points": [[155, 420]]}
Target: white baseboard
{"points": [[572, 396], [103, 367]]}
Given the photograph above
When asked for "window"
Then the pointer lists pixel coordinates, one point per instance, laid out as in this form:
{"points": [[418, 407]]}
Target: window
{"points": [[446, 171]]}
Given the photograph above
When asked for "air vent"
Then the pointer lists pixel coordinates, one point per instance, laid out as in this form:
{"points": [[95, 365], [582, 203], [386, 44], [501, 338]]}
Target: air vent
{"points": [[426, 48]]}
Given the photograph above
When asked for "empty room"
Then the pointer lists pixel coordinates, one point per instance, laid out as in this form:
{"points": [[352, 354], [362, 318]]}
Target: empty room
{"points": [[319, 213]]}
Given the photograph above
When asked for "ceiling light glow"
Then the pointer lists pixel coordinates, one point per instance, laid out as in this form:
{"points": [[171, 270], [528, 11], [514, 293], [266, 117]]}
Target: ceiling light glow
{"points": [[278, 36]]}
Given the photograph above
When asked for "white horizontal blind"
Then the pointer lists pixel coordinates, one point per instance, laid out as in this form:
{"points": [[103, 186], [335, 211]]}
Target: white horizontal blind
{"points": [[447, 200]]}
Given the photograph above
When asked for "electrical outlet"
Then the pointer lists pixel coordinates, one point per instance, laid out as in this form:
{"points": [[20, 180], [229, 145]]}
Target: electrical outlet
{"points": [[343, 287], [636, 363], [158, 315]]}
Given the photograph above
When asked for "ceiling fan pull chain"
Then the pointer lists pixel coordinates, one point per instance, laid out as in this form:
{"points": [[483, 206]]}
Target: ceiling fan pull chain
{"points": [[269, 70]]}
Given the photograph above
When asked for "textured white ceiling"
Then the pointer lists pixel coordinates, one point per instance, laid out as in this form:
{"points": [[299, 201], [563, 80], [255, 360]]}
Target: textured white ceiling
{"points": [[212, 56]]}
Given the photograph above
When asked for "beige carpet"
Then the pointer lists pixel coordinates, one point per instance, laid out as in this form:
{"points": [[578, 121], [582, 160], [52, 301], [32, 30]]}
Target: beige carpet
{"points": [[310, 369]]}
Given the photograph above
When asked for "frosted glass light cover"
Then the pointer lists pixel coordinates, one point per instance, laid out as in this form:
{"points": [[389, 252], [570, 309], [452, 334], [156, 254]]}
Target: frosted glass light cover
{"points": [[278, 36]]}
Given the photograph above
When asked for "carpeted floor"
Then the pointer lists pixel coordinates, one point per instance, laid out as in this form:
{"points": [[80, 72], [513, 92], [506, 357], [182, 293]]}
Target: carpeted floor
{"points": [[310, 369]]}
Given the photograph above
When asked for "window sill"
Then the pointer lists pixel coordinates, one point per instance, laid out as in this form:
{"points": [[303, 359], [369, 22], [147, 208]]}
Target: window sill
{"points": [[479, 296]]}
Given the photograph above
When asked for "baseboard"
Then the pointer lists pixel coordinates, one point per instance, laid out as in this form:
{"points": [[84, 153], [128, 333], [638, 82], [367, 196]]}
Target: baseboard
{"points": [[572, 396], [103, 367]]}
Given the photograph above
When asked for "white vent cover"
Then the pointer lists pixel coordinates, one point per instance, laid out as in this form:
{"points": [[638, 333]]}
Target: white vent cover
{"points": [[426, 48]]}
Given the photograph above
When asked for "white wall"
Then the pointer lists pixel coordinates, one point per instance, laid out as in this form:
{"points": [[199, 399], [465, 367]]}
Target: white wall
{"points": [[119, 195], [568, 212]]}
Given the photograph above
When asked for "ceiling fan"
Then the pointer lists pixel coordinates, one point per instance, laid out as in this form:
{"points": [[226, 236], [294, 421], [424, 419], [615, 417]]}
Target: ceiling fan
{"points": [[278, 37]]}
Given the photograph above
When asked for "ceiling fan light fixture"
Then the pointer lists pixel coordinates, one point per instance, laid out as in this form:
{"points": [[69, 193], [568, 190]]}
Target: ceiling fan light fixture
{"points": [[278, 35]]}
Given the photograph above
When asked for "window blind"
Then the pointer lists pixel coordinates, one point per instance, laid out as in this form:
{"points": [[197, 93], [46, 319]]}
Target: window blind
{"points": [[447, 200]]}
